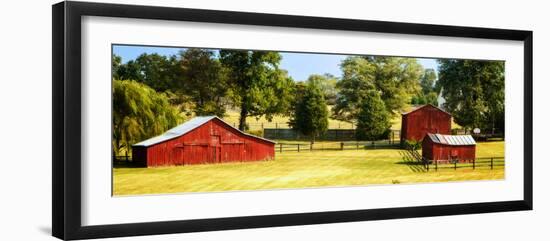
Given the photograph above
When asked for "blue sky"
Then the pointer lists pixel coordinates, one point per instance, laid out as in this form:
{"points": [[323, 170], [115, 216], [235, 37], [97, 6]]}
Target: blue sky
{"points": [[298, 65]]}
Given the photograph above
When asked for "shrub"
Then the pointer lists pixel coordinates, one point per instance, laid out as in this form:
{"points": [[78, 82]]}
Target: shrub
{"points": [[259, 133], [413, 145]]}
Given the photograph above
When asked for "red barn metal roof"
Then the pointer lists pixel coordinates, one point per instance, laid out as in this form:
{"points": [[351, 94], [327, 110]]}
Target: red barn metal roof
{"points": [[452, 140], [187, 127], [422, 106]]}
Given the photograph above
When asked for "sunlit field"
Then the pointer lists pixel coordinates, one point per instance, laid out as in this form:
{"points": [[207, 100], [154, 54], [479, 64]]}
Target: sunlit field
{"points": [[278, 121], [232, 117], [301, 170]]}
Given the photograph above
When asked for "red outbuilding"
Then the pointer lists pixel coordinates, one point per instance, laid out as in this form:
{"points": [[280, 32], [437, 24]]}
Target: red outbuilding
{"points": [[422, 120], [200, 140], [445, 148]]}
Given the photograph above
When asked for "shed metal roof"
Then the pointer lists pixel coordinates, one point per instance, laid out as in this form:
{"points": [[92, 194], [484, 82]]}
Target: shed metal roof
{"points": [[186, 127], [453, 140]]}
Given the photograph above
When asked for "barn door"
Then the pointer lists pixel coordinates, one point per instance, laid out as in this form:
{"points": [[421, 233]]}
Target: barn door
{"points": [[176, 157], [432, 125], [215, 149]]}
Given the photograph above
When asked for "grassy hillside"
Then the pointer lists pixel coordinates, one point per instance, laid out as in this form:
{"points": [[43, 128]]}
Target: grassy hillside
{"points": [[232, 117]]}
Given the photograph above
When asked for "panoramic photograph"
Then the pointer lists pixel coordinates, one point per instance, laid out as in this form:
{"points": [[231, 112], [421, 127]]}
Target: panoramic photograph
{"points": [[189, 120]]}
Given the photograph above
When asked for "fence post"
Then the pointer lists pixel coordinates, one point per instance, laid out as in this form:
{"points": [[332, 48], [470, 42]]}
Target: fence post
{"points": [[455, 164], [392, 137], [341, 146], [435, 166], [357, 144], [373, 147], [491, 163], [427, 164], [474, 164], [310, 146], [280, 147], [298, 147]]}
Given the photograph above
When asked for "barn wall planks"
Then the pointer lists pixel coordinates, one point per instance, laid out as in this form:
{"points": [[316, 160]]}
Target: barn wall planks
{"points": [[444, 153], [212, 142], [425, 119]]}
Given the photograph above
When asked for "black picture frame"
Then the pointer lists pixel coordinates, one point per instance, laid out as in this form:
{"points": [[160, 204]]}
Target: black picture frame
{"points": [[66, 75]]}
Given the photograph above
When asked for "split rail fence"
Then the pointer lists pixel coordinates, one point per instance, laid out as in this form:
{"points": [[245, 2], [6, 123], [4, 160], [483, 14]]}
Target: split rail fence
{"points": [[483, 162], [334, 146]]}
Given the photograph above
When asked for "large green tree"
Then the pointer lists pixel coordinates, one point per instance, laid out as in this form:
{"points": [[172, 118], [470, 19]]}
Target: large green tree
{"points": [[396, 79], [474, 92], [157, 71], [429, 91], [204, 80], [259, 87], [327, 84], [427, 81], [373, 119], [116, 61], [310, 115], [139, 113]]}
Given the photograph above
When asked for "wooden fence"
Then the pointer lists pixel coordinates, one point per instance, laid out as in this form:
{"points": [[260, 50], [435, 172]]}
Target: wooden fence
{"points": [[483, 162], [285, 125], [329, 135], [334, 146]]}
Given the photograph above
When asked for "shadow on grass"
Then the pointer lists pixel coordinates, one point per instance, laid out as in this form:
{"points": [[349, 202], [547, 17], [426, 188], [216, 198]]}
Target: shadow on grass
{"points": [[127, 164], [409, 160]]}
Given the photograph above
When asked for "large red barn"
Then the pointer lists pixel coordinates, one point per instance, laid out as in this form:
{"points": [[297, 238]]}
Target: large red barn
{"points": [[205, 139], [444, 148], [422, 120]]}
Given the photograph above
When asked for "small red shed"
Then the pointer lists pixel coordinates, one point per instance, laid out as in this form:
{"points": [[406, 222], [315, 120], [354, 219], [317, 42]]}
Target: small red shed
{"points": [[444, 148], [422, 120], [206, 139]]}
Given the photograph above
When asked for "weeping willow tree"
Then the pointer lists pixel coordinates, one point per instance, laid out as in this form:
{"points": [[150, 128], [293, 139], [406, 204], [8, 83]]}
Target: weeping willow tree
{"points": [[139, 112]]}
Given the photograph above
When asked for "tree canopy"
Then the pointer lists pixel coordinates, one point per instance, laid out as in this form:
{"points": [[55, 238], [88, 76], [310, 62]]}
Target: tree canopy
{"points": [[155, 70], [204, 81], [429, 90], [474, 92], [373, 119], [396, 79], [140, 113], [259, 87], [327, 84], [153, 90], [427, 81], [310, 115]]}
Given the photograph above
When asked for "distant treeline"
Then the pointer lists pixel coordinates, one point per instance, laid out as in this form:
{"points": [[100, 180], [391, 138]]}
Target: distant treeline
{"points": [[153, 92]]}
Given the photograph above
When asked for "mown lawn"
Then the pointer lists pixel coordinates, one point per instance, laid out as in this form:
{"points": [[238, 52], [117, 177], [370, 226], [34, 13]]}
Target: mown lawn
{"points": [[299, 170]]}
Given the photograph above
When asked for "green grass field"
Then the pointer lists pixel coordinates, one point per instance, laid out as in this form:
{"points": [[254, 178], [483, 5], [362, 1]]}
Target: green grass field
{"points": [[299, 170]]}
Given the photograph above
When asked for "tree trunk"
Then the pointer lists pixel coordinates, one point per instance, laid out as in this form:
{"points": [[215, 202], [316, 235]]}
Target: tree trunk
{"points": [[242, 119], [116, 148], [493, 127]]}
